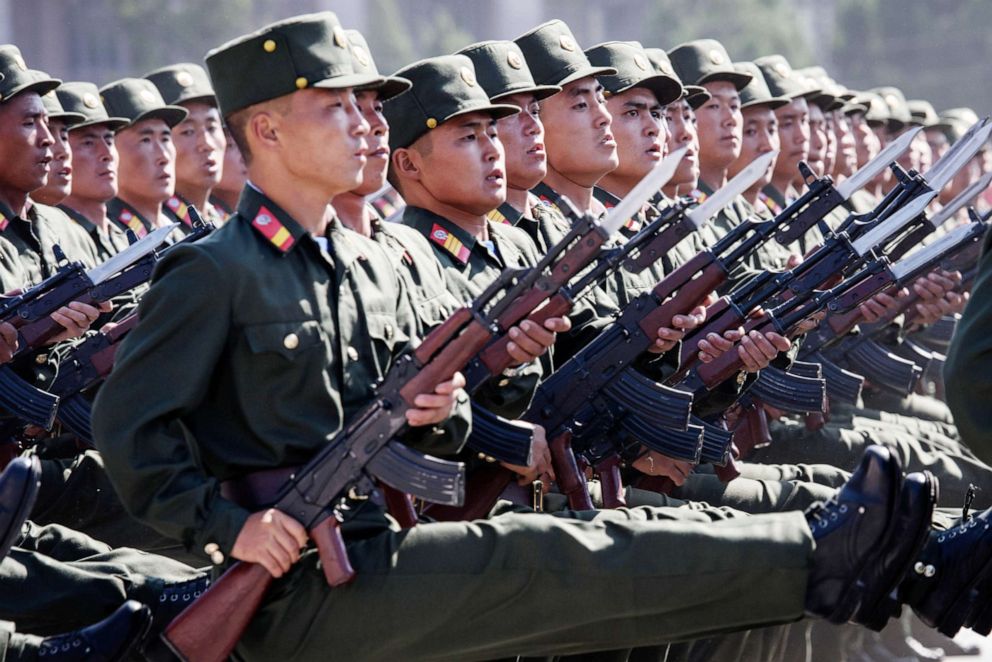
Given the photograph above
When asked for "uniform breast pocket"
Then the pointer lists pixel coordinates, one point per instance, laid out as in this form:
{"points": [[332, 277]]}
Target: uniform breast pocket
{"points": [[289, 340]]}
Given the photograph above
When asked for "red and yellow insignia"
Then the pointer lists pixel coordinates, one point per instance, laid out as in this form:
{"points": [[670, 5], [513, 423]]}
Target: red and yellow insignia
{"points": [[4, 222], [450, 243], [180, 209], [699, 196], [770, 204], [133, 223], [270, 227], [496, 216]]}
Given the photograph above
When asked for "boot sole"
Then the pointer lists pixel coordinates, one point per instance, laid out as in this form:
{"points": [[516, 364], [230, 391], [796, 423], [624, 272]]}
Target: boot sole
{"points": [[25, 502]]}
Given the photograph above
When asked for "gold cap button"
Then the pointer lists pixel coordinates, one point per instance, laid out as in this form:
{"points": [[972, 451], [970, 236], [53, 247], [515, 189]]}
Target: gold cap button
{"points": [[41, 359], [291, 341], [352, 353], [269, 45], [431, 123], [301, 83]]}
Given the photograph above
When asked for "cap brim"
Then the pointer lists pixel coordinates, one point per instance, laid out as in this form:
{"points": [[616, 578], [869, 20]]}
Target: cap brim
{"points": [[665, 88], [540, 92], [772, 103], [171, 115], [70, 118], [696, 96], [41, 87], [852, 108], [113, 123], [349, 80], [585, 72], [208, 99], [391, 86], [736, 78], [497, 110]]}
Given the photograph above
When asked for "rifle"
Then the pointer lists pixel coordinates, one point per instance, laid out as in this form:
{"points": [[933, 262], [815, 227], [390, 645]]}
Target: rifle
{"points": [[366, 449]]}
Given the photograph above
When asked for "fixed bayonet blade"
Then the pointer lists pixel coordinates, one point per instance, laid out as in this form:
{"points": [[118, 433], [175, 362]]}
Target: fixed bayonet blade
{"points": [[893, 224], [932, 253], [746, 178], [130, 255], [646, 189], [892, 151], [938, 177], [961, 200], [956, 147]]}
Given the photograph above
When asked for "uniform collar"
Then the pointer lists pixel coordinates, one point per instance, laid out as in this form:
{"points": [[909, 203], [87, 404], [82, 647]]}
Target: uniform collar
{"points": [[447, 235], [178, 207], [6, 216], [272, 224], [127, 217], [548, 197], [775, 196], [86, 223], [221, 206], [505, 214], [633, 224]]}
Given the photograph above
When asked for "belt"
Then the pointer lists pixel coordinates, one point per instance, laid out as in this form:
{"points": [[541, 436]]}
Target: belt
{"points": [[259, 489]]}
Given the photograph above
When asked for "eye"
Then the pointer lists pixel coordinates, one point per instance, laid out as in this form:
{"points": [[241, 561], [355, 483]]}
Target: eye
{"points": [[632, 113], [582, 105], [656, 115]]}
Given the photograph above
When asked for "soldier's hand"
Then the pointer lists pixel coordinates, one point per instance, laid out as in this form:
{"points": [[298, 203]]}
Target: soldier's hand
{"points": [[272, 539], [881, 305], [540, 459], [8, 342], [668, 337], [714, 345], [653, 463], [528, 340], [758, 349], [77, 317], [433, 408], [811, 322]]}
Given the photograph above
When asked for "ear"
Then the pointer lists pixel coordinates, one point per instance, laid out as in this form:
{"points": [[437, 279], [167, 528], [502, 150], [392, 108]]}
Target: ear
{"points": [[407, 164], [263, 130]]}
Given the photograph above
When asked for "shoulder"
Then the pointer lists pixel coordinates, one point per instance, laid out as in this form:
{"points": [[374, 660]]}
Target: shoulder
{"points": [[515, 236]]}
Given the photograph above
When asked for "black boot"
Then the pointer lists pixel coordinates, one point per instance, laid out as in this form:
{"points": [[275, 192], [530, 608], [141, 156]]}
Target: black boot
{"points": [[106, 641], [908, 533], [174, 597], [19, 485], [950, 585], [849, 530]]}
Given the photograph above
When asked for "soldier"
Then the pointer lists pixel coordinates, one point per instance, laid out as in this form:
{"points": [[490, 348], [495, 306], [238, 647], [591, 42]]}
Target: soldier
{"points": [[224, 196], [94, 165], [301, 150], [199, 140], [59, 182], [147, 170]]}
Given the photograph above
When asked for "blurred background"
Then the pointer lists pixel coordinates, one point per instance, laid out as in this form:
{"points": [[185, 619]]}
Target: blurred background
{"points": [[933, 49]]}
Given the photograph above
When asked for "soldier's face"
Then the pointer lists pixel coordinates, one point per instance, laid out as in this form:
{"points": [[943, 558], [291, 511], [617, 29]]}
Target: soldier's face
{"points": [[847, 158], [25, 144], [793, 136], [817, 139], [59, 183], [760, 137], [577, 132], [321, 140], [377, 159], [830, 152], [463, 168], [522, 136], [681, 121], [719, 123], [147, 161], [865, 143], [639, 130], [921, 148], [937, 141], [200, 142], [234, 174], [94, 163]]}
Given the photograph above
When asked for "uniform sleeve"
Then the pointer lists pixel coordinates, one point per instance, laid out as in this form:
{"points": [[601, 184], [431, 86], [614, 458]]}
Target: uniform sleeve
{"points": [[968, 370], [162, 373]]}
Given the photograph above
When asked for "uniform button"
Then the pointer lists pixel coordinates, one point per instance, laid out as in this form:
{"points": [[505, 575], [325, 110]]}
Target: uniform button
{"points": [[41, 359], [389, 332], [352, 353], [212, 550], [291, 341], [503, 383]]}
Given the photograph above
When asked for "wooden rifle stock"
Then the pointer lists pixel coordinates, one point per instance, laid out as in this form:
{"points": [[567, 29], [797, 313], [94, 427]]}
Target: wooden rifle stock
{"points": [[399, 506], [611, 482], [495, 357], [571, 481]]}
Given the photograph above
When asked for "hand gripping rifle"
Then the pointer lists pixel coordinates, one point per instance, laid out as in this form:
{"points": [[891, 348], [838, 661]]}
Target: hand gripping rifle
{"points": [[366, 449]]}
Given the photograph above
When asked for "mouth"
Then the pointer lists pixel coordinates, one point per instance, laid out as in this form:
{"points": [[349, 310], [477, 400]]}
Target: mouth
{"points": [[381, 152], [495, 177], [609, 141], [106, 174], [655, 151], [537, 150]]}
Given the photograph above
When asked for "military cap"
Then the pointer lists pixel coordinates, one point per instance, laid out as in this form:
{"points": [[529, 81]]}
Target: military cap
{"points": [[554, 57], [693, 94], [898, 110], [923, 112], [362, 63], [782, 80], [954, 128], [182, 83], [703, 61], [15, 77], [55, 110], [444, 87], [138, 99], [84, 98], [877, 112], [756, 93], [634, 69], [501, 70], [830, 96], [963, 114], [300, 52]]}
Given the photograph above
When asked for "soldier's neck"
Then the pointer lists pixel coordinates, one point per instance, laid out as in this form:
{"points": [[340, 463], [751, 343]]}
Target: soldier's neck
{"points": [[518, 199], [229, 197], [712, 175], [194, 195], [673, 191], [579, 194], [307, 205], [95, 211], [781, 181], [751, 195], [353, 212], [16, 200]]}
